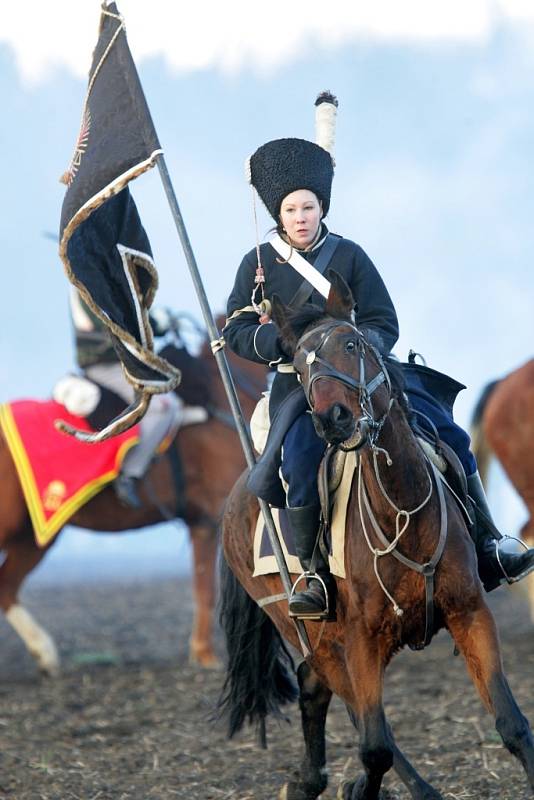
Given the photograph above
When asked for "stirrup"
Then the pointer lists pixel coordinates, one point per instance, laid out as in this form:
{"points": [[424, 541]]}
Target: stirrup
{"points": [[509, 580], [312, 615]]}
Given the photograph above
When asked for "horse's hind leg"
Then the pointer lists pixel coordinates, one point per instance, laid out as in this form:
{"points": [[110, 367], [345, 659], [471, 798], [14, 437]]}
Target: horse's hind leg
{"points": [[204, 540], [314, 700], [476, 636], [21, 556]]}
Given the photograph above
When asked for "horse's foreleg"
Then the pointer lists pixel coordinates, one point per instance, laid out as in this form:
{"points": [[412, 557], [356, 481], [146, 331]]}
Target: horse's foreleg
{"points": [[365, 667], [21, 558], [419, 789], [476, 636], [314, 701], [204, 541], [529, 586], [527, 535]]}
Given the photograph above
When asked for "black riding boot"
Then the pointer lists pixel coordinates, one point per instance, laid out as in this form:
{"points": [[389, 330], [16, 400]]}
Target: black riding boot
{"points": [[304, 523], [494, 566]]}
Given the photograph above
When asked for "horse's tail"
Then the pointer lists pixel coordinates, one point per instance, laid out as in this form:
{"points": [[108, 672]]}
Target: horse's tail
{"points": [[479, 443], [259, 673]]}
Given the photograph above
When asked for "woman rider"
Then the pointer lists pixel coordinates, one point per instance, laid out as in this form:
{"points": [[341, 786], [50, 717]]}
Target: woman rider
{"points": [[293, 177]]}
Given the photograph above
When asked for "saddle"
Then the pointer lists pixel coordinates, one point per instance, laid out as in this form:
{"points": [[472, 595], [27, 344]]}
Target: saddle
{"points": [[450, 466]]}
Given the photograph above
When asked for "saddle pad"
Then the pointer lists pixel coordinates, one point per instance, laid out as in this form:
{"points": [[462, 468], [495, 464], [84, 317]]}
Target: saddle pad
{"points": [[264, 560], [58, 474]]}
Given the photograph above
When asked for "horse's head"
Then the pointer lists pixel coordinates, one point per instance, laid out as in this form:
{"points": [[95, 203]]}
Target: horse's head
{"points": [[343, 375]]}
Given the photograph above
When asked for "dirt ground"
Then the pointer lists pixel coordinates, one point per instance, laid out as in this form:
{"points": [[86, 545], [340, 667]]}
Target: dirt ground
{"points": [[129, 718]]}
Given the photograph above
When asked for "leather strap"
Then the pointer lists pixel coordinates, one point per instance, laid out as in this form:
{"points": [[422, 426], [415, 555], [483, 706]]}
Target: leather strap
{"points": [[309, 272], [426, 570], [305, 290]]}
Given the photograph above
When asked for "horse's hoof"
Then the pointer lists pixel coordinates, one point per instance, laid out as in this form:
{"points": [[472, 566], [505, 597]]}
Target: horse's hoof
{"points": [[294, 791], [50, 670], [48, 661], [206, 660], [346, 791]]}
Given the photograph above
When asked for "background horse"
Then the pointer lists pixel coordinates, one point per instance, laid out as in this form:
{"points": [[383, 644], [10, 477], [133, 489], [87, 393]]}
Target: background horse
{"points": [[503, 425], [349, 391], [212, 460], [479, 442]]}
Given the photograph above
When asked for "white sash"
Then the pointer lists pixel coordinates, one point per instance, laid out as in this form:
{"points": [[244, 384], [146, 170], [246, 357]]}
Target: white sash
{"points": [[299, 263]]}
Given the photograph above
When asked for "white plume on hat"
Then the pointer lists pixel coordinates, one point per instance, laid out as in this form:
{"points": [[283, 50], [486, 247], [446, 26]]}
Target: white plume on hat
{"points": [[325, 121]]}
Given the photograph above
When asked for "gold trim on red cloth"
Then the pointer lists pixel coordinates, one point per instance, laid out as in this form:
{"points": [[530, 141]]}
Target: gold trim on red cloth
{"points": [[50, 508]]}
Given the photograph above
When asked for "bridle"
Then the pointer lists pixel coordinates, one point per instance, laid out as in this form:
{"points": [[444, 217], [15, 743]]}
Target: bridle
{"points": [[318, 368]]}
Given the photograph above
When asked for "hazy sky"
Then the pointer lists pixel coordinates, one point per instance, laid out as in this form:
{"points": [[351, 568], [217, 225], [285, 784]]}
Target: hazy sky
{"points": [[433, 159], [238, 35]]}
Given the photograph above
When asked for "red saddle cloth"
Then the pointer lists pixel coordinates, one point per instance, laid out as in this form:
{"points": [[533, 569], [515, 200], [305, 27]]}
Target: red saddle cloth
{"points": [[58, 474]]}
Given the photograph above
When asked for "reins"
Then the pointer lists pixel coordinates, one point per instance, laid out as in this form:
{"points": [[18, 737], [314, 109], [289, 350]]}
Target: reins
{"points": [[318, 368], [428, 569]]}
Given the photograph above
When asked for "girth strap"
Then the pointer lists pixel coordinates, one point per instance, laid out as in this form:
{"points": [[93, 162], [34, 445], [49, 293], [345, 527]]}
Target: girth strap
{"points": [[428, 569]]}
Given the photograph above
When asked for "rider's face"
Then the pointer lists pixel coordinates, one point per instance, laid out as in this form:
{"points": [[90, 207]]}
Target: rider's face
{"points": [[300, 214]]}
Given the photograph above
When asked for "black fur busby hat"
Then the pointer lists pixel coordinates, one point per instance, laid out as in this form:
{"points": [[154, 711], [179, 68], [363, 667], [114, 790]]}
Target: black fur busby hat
{"points": [[284, 165]]}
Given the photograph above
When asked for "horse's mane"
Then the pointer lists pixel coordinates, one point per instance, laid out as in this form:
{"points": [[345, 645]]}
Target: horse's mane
{"points": [[309, 315]]}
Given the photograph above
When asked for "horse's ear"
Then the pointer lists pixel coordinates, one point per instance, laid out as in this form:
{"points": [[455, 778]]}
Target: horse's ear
{"points": [[340, 302], [280, 314]]}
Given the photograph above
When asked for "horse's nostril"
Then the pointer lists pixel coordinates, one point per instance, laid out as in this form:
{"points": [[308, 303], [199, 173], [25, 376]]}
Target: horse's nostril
{"points": [[339, 414], [332, 422]]}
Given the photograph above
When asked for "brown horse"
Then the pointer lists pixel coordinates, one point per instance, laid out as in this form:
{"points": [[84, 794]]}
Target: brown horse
{"points": [[502, 425], [212, 461], [508, 428], [479, 442], [357, 401]]}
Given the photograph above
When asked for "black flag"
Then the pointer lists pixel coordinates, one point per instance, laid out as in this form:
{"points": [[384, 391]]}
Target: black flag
{"points": [[103, 244]]}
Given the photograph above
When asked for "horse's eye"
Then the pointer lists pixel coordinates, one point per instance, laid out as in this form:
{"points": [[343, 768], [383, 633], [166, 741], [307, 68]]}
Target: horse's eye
{"points": [[350, 346]]}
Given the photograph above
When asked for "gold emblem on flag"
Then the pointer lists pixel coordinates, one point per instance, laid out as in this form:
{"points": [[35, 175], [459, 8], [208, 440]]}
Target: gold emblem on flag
{"points": [[53, 495], [79, 150]]}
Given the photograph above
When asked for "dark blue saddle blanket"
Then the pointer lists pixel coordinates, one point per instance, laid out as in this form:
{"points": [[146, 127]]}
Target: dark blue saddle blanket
{"points": [[428, 382], [431, 395]]}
